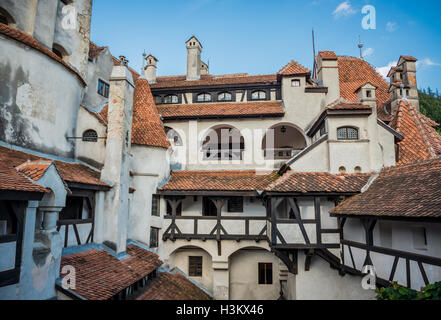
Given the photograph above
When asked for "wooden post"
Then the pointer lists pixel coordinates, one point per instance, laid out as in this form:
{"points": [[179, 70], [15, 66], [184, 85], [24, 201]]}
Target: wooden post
{"points": [[318, 219]]}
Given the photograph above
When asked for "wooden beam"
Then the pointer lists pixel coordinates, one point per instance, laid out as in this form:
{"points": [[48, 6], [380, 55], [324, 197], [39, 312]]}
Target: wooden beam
{"points": [[296, 211], [318, 219]]}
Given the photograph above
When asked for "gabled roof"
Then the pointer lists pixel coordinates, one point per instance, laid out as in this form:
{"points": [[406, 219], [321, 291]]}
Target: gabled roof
{"points": [[221, 110], [248, 180], [318, 182], [294, 68], [421, 141], [12, 179], [173, 286], [354, 73], [147, 127], [409, 191]]}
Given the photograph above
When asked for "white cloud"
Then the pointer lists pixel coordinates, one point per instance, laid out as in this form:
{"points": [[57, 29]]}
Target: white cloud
{"points": [[368, 52], [391, 26], [344, 9], [427, 62], [385, 70]]}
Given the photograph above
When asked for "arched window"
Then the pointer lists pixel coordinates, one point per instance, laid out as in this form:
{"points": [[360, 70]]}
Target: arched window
{"points": [[357, 169], [347, 133], [223, 143], [258, 95], [173, 136], [60, 52], [224, 96], [172, 98], [342, 170], [204, 97], [90, 136], [158, 99]]}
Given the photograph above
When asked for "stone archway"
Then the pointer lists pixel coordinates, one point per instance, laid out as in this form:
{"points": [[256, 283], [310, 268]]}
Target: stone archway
{"points": [[283, 141]]}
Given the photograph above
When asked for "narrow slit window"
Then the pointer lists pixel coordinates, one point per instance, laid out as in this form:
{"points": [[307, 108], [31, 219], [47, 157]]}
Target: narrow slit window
{"points": [[195, 266], [265, 273], [154, 237], [155, 205]]}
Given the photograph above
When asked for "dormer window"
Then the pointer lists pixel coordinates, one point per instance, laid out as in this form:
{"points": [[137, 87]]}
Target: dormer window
{"points": [[204, 97], [171, 99], [295, 83], [258, 95], [225, 96], [347, 133]]}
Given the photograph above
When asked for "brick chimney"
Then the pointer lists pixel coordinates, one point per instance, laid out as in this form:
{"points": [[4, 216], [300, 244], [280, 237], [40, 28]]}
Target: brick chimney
{"points": [[194, 63], [116, 167]]}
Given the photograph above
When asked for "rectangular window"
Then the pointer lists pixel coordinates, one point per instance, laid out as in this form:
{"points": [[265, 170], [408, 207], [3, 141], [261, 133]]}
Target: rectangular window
{"points": [[235, 204], [208, 208], [295, 83], [195, 266], [155, 205], [103, 89], [154, 237], [265, 273]]}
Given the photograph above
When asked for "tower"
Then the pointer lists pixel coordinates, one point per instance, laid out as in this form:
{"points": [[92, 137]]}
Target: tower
{"points": [[194, 64]]}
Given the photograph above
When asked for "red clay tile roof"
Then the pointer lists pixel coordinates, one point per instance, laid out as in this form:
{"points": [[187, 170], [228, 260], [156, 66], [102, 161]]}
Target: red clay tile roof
{"points": [[100, 275], [104, 114], [94, 50], [328, 55], [421, 141], [31, 42], [212, 80], [10, 178], [294, 68], [147, 127], [70, 172], [354, 73], [348, 106], [222, 110], [173, 287], [34, 170], [219, 181], [409, 58], [411, 191], [323, 182]]}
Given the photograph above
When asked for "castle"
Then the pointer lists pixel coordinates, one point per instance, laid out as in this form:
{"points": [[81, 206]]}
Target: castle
{"points": [[201, 186]]}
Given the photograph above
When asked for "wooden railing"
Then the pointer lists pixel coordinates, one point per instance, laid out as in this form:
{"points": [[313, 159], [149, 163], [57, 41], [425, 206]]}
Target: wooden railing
{"points": [[75, 225]]}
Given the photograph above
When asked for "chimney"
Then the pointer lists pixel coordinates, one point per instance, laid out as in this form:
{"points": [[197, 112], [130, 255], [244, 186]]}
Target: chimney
{"points": [[116, 166], [404, 82], [204, 68], [327, 74], [150, 69], [194, 63]]}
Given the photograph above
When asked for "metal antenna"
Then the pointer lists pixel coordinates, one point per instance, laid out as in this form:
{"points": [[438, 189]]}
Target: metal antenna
{"points": [[144, 55], [313, 52], [360, 46]]}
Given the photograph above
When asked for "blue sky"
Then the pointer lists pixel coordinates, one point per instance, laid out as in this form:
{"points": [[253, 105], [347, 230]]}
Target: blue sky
{"points": [[260, 37]]}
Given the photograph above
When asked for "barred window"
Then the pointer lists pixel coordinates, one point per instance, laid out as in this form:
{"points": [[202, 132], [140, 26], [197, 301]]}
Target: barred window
{"points": [[195, 266], [347, 133], [90, 136], [155, 205], [265, 273], [154, 237]]}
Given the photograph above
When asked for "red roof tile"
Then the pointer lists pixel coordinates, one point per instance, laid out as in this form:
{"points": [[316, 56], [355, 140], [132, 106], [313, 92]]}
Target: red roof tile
{"points": [[70, 172], [211, 80], [31, 42], [328, 55], [306, 182], [173, 287], [94, 50], [294, 68], [147, 127], [354, 73], [100, 275], [348, 106], [421, 141], [34, 169], [219, 181], [411, 191], [222, 110]]}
